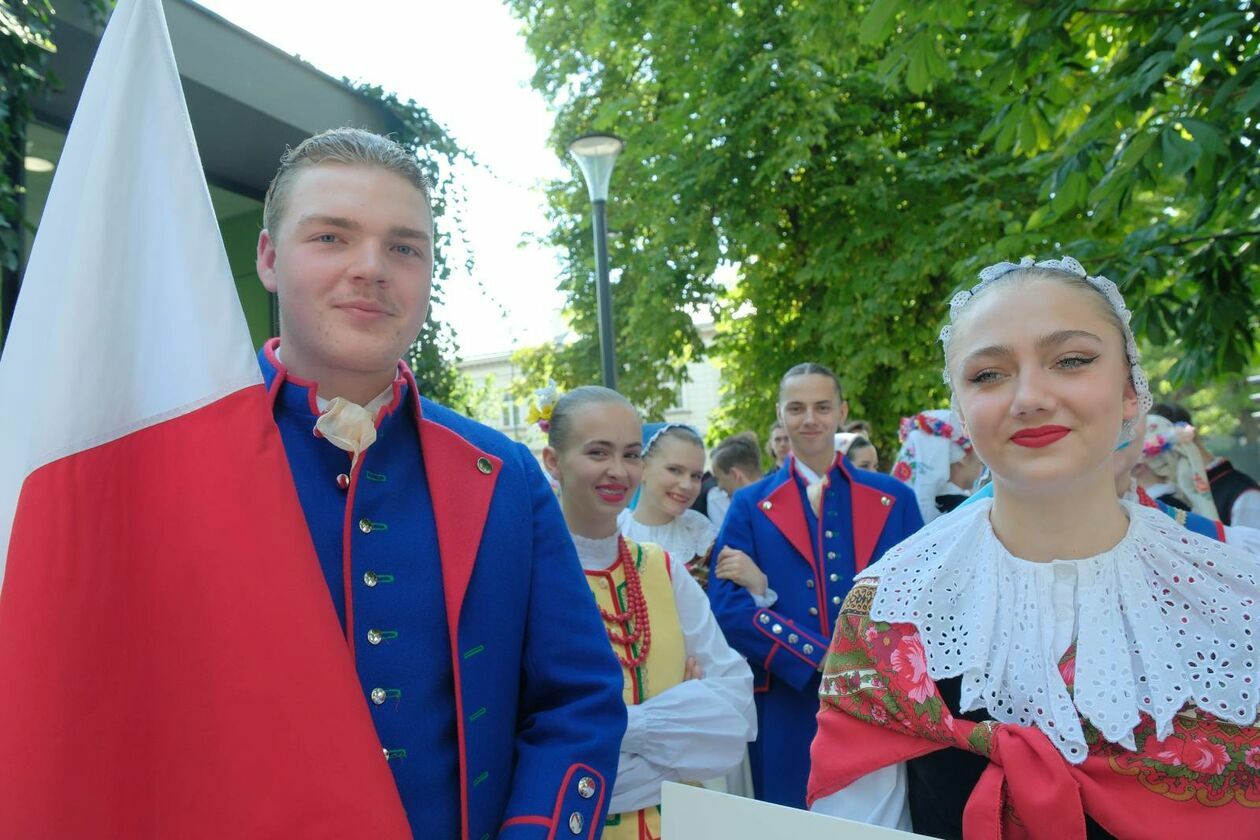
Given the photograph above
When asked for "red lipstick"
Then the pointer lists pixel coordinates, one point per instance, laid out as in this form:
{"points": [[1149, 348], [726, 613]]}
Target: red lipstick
{"points": [[1040, 436]]}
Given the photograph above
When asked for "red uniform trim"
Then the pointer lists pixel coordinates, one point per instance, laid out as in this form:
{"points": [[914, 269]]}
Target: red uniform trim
{"points": [[787, 514], [461, 496], [283, 375], [765, 667], [531, 820], [595, 829], [780, 642], [870, 514]]}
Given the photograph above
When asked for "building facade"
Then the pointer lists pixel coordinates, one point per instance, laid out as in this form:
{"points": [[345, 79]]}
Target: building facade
{"points": [[696, 400]]}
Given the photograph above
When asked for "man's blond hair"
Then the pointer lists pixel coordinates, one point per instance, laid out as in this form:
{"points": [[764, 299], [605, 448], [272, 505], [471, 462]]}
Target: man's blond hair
{"points": [[348, 146]]}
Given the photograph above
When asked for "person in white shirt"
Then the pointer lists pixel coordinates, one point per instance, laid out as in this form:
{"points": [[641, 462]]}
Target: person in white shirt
{"points": [[937, 461], [736, 463], [688, 694], [673, 475]]}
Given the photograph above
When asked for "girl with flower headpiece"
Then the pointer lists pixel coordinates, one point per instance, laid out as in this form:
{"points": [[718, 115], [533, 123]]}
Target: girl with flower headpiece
{"points": [[688, 695], [673, 474], [1053, 661], [937, 461]]}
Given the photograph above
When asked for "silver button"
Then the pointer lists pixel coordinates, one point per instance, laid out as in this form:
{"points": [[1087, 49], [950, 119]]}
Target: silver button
{"points": [[885, 501], [831, 555], [374, 637], [378, 696], [835, 599], [370, 579], [586, 787], [833, 577], [813, 610], [776, 629], [808, 648], [484, 465], [385, 753], [575, 822], [766, 506], [793, 638], [763, 618], [365, 525], [810, 583], [828, 534]]}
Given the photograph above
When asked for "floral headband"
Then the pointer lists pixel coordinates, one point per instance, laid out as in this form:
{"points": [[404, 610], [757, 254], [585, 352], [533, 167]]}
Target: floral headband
{"points": [[544, 404], [1066, 265], [934, 426], [1157, 443]]}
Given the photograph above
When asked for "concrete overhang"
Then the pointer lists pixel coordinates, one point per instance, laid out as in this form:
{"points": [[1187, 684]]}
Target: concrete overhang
{"points": [[247, 99]]}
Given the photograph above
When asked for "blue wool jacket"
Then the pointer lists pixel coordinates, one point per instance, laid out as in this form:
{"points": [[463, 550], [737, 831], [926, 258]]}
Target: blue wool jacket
{"points": [[481, 655], [810, 562]]}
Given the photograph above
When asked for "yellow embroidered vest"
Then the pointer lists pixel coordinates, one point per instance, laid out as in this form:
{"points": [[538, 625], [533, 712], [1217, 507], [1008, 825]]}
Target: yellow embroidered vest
{"points": [[665, 663]]}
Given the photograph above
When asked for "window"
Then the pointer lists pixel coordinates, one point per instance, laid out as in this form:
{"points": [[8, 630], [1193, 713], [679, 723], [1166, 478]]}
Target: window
{"points": [[510, 413]]}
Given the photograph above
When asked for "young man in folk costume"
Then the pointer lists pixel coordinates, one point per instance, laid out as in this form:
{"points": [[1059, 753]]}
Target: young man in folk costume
{"points": [[481, 657], [784, 561]]}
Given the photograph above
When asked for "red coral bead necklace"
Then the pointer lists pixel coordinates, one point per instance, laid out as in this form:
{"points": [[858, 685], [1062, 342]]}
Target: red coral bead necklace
{"points": [[635, 618]]}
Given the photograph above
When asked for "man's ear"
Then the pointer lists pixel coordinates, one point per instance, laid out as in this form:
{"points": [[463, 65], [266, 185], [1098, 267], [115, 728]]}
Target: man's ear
{"points": [[266, 261], [844, 412]]}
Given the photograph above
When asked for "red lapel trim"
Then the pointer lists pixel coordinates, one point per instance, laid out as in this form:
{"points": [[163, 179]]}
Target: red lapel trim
{"points": [[870, 511], [283, 375], [461, 495], [784, 510]]}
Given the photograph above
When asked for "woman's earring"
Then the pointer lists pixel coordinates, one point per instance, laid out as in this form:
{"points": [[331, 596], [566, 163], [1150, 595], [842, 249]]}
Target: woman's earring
{"points": [[1126, 431]]}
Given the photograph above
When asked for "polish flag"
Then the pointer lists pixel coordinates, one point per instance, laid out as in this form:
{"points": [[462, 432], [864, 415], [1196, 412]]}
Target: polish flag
{"points": [[170, 661]]}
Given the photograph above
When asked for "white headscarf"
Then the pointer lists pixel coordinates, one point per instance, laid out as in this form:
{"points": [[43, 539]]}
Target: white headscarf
{"points": [[930, 442], [1170, 453]]}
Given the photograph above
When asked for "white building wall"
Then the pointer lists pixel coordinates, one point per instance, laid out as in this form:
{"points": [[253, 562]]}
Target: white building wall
{"points": [[699, 396]]}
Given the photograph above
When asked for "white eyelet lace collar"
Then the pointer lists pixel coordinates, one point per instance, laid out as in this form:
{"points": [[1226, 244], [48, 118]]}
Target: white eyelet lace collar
{"points": [[690, 535], [1163, 620]]}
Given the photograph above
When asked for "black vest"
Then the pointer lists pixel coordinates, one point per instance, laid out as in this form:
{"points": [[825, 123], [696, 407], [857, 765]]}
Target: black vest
{"points": [[1227, 485]]}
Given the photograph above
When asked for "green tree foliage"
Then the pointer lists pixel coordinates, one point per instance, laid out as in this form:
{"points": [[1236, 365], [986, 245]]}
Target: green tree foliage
{"points": [[855, 162], [25, 47], [1139, 117]]}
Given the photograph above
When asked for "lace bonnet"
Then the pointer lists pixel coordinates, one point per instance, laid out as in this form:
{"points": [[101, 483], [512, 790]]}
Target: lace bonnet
{"points": [[1068, 266]]}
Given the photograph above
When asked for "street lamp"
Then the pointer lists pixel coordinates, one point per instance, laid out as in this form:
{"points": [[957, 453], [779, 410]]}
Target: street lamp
{"points": [[595, 155]]}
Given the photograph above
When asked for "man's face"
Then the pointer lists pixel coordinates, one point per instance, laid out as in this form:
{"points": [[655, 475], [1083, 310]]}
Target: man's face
{"points": [[811, 410], [352, 264]]}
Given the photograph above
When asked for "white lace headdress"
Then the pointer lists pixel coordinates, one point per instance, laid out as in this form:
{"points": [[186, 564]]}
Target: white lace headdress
{"points": [[1069, 266]]}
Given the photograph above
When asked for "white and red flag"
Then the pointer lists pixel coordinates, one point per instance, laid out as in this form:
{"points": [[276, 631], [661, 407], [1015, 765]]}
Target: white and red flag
{"points": [[170, 661]]}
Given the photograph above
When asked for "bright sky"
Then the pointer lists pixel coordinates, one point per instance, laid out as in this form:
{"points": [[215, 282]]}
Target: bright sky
{"points": [[465, 61]]}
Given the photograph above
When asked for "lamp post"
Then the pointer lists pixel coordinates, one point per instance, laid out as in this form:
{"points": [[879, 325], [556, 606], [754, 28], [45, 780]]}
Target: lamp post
{"points": [[595, 155]]}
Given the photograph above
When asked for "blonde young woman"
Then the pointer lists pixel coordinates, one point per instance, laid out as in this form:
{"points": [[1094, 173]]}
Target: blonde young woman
{"points": [[1052, 662], [688, 695]]}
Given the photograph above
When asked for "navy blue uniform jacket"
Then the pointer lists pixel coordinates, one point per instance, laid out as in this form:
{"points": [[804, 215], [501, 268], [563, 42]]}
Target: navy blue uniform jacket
{"points": [[810, 562], [481, 654]]}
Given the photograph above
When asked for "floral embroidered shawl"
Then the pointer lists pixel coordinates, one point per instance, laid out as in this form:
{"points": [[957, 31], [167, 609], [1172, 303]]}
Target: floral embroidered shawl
{"points": [[879, 707]]}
